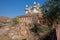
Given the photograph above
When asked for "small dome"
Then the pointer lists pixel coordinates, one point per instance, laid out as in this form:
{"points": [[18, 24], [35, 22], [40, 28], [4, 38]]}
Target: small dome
{"points": [[38, 5], [34, 2], [26, 12], [26, 5]]}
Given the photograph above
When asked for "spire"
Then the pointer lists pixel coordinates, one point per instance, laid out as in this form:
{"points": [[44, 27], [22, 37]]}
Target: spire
{"points": [[34, 2], [34, 5], [26, 9], [38, 4]]}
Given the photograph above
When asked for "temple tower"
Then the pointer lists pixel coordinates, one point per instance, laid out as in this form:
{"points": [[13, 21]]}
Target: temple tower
{"points": [[36, 8]]}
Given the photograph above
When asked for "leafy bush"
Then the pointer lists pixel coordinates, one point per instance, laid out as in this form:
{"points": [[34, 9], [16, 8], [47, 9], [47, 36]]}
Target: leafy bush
{"points": [[15, 20]]}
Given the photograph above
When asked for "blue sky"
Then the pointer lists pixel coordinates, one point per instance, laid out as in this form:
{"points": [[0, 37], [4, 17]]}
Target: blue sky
{"points": [[13, 8]]}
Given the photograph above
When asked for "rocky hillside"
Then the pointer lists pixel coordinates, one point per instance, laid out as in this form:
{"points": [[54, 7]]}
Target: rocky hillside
{"points": [[10, 30]]}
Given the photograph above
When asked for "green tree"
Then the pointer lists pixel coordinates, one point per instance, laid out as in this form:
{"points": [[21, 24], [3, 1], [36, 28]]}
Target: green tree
{"points": [[52, 11]]}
